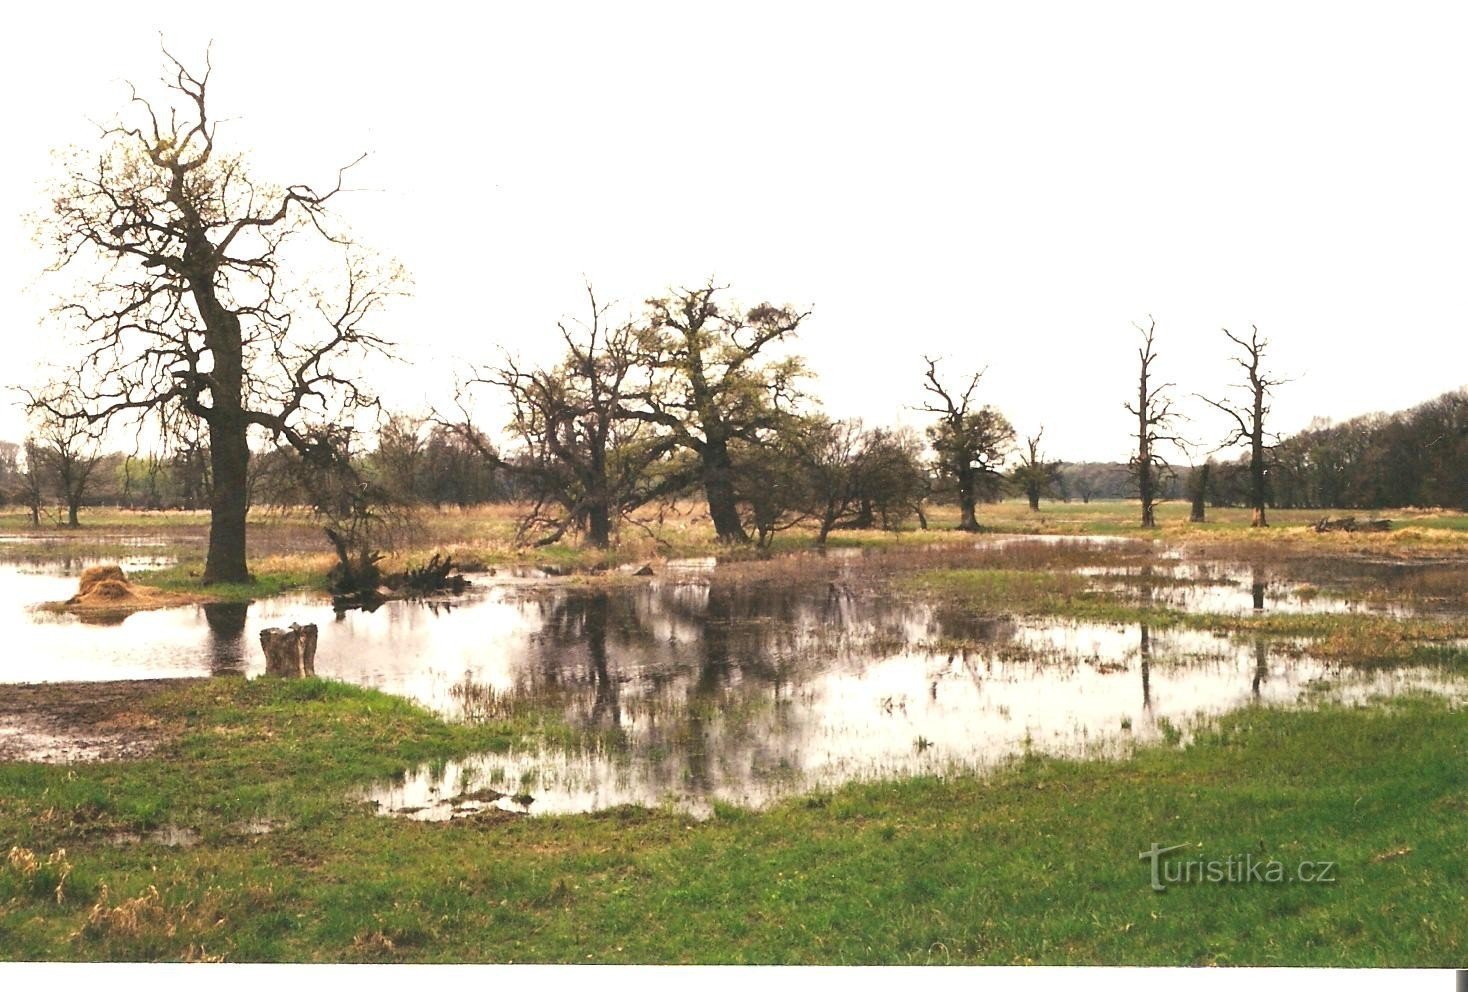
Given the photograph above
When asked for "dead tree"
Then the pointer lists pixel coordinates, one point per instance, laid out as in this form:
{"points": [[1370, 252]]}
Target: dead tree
{"points": [[290, 652], [195, 302], [1249, 417], [1155, 423], [969, 443]]}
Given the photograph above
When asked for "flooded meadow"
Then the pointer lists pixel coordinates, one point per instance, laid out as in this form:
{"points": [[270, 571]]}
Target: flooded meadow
{"points": [[744, 682]]}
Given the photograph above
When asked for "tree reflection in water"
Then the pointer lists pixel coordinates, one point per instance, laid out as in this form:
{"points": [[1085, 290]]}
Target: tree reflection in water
{"points": [[227, 646]]}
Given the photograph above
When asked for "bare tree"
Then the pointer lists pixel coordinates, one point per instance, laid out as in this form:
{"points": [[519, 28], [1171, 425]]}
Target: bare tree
{"points": [[32, 480], [586, 455], [1035, 476], [1249, 417], [1155, 420], [196, 304], [62, 457], [713, 389], [834, 455], [969, 443]]}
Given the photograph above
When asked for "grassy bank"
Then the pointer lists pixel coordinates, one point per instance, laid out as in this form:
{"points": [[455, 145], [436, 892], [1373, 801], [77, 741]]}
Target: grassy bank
{"points": [[1036, 863]]}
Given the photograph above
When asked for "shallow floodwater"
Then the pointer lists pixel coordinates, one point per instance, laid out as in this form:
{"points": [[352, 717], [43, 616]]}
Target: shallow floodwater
{"points": [[699, 687]]}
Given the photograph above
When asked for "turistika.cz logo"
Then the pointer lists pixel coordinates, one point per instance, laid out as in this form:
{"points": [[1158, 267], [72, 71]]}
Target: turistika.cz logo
{"points": [[1235, 869]]}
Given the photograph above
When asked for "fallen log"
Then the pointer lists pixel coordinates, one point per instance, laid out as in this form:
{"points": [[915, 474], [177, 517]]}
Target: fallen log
{"points": [[1351, 525], [429, 578]]}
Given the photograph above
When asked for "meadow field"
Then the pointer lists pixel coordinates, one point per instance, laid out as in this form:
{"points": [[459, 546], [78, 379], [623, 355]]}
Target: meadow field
{"points": [[1288, 704]]}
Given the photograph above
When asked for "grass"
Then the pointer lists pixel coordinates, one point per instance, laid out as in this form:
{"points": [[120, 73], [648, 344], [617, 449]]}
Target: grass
{"points": [[1036, 863], [273, 576]]}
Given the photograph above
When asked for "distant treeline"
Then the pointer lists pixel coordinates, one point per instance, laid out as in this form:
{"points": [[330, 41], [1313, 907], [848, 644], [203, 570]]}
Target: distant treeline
{"points": [[1418, 457]]}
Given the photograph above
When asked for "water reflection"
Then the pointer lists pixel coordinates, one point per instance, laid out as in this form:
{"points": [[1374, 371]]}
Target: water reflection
{"points": [[1232, 587], [696, 686], [227, 647]]}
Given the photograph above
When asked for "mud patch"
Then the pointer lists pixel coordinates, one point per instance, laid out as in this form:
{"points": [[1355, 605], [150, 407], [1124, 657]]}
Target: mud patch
{"points": [[66, 722]]}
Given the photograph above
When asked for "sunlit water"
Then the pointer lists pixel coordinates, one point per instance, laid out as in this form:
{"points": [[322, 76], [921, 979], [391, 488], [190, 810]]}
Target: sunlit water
{"points": [[697, 689]]}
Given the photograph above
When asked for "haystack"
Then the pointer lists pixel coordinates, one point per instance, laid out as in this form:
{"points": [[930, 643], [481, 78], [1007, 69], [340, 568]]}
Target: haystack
{"points": [[101, 573], [107, 586]]}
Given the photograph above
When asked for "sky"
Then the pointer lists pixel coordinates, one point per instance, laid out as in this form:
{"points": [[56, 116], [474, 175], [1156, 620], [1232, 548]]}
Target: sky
{"points": [[1009, 186]]}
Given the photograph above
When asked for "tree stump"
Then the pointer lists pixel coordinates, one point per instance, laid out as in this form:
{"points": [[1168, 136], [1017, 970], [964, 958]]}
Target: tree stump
{"points": [[290, 652]]}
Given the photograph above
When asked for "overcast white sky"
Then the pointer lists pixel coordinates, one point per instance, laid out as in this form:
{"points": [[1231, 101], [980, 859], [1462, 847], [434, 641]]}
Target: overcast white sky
{"points": [[1006, 185]]}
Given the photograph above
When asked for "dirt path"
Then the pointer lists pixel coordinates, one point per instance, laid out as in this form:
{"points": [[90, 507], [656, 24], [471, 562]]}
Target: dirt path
{"points": [[64, 722]]}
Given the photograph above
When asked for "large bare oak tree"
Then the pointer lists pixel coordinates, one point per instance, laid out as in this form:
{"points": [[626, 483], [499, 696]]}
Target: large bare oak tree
{"points": [[206, 294]]}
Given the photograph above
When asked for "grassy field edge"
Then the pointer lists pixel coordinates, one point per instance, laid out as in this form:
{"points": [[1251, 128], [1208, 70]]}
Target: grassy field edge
{"points": [[1035, 863]]}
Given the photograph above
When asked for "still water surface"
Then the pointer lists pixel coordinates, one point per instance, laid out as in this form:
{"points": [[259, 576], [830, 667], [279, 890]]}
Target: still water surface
{"points": [[697, 689]]}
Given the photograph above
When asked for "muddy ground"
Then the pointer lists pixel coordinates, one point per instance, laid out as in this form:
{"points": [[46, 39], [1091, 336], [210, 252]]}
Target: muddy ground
{"points": [[65, 722]]}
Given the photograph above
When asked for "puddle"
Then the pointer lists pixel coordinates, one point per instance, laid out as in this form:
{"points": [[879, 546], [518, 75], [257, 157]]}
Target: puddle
{"points": [[94, 537], [23, 741], [1230, 588], [165, 836], [258, 827], [727, 728]]}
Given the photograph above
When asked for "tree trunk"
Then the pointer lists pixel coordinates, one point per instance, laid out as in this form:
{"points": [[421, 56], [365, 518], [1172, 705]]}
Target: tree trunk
{"points": [[599, 525], [968, 498], [828, 520], [72, 505], [1200, 496], [290, 652], [1256, 461], [1034, 495], [718, 487], [967, 520], [1146, 490], [229, 457], [1256, 485]]}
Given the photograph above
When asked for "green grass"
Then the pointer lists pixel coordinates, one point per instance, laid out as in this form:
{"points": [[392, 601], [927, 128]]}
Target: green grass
{"points": [[1037, 863], [184, 578]]}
